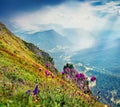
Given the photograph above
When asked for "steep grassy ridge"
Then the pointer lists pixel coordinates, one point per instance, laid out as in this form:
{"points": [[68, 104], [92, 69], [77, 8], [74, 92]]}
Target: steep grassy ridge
{"points": [[25, 80]]}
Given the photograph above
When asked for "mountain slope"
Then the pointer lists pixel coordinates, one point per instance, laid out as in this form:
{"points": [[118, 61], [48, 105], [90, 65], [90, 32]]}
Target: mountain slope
{"points": [[47, 40], [102, 56], [26, 80]]}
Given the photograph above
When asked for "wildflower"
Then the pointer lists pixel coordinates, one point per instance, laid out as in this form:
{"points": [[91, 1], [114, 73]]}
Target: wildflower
{"points": [[110, 105], [75, 79], [67, 76], [98, 92], [40, 69], [80, 75], [52, 75], [10, 94], [67, 69], [28, 92], [21, 80], [35, 91], [63, 72], [73, 70], [47, 73], [47, 65], [93, 78]]}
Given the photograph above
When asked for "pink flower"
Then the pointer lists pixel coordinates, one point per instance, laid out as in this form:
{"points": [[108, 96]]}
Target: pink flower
{"points": [[67, 69], [47, 73], [63, 72], [53, 76], [93, 78], [47, 65], [80, 75], [75, 79]]}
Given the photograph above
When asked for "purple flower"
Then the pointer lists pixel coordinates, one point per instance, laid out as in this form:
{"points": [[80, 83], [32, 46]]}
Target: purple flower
{"points": [[10, 94], [93, 78], [35, 91], [83, 76], [53, 76], [67, 69], [75, 79], [80, 75], [47, 65], [63, 72], [98, 92], [47, 72], [28, 92], [73, 70], [110, 105]]}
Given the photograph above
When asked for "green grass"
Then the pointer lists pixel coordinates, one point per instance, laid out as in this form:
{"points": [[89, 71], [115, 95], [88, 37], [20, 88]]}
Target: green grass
{"points": [[51, 92], [19, 72]]}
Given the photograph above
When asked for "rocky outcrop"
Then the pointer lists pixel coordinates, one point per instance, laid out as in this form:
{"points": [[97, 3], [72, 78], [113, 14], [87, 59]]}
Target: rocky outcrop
{"points": [[44, 57]]}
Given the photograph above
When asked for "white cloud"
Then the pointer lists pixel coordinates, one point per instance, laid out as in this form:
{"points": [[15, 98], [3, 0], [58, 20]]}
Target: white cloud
{"points": [[67, 58], [58, 48], [68, 15], [72, 15]]}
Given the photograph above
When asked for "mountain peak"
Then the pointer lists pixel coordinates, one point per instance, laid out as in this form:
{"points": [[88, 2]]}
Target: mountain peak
{"points": [[50, 30], [45, 33]]}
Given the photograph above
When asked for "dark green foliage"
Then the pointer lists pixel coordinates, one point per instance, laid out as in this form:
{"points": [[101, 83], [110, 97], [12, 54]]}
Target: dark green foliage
{"points": [[68, 65]]}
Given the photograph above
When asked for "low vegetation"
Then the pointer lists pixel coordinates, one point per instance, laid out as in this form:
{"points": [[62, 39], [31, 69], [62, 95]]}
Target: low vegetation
{"points": [[26, 81]]}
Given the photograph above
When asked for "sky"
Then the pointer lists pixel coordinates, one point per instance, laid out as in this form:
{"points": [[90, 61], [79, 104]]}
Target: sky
{"points": [[86, 19]]}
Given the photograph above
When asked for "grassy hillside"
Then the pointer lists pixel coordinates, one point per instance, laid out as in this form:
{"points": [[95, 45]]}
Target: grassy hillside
{"points": [[26, 80]]}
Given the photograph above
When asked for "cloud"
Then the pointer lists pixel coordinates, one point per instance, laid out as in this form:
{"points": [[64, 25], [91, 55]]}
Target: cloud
{"points": [[72, 15], [67, 59], [58, 48], [67, 15], [80, 38]]}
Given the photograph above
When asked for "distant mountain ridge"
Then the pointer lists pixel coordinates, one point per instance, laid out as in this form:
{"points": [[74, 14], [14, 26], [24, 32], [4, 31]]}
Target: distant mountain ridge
{"points": [[47, 40], [102, 55]]}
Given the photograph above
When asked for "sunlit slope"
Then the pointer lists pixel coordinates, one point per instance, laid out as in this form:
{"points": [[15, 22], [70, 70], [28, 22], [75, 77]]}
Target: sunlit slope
{"points": [[25, 80]]}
